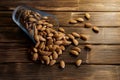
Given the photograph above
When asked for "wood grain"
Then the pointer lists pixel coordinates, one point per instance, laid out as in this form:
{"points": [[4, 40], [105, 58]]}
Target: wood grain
{"points": [[61, 5], [64, 5], [97, 18], [100, 54], [29, 71], [105, 36]]}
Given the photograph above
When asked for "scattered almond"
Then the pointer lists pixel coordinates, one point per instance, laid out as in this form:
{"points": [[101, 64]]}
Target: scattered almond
{"points": [[62, 64], [88, 25], [78, 62], [95, 29], [72, 21], [80, 19], [73, 52], [83, 37], [87, 16]]}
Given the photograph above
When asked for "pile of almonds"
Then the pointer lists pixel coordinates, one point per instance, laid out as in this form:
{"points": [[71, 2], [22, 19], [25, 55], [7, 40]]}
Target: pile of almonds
{"points": [[51, 42]]}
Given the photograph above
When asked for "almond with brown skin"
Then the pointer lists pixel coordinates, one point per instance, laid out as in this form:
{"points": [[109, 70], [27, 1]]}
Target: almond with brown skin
{"points": [[61, 29], [87, 16], [75, 34], [78, 62], [70, 36], [95, 29], [83, 37], [58, 42], [76, 49], [88, 47], [35, 56], [75, 42], [80, 19], [62, 64], [46, 59], [88, 25], [52, 62], [73, 52], [55, 55], [35, 50], [72, 21]]}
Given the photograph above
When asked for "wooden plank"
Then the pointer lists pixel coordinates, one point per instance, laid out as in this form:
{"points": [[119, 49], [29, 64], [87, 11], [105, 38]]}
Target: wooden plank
{"points": [[104, 54], [28, 71], [65, 5], [105, 36], [106, 19], [50, 5], [99, 5], [100, 54]]}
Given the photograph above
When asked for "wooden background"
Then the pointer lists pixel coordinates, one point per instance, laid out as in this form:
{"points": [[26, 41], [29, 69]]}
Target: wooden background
{"points": [[102, 63]]}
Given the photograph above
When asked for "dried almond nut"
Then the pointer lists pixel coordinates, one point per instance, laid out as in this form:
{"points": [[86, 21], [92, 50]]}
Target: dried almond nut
{"points": [[50, 25], [88, 47], [62, 47], [75, 42], [37, 44], [80, 19], [36, 37], [52, 62], [51, 58], [87, 16], [61, 29], [58, 42], [39, 27], [35, 56], [44, 53], [44, 17], [32, 19], [95, 29], [55, 55], [73, 52], [70, 36], [39, 22], [83, 37], [41, 38], [72, 21], [35, 31], [59, 52], [65, 42], [78, 62], [76, 49], [46, 59], [35, 50], [75, 34], [88, 25], [62, 64]]}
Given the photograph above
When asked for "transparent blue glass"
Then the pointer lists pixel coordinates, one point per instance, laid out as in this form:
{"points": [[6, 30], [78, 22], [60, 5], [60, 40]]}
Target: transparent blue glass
{"points": [[17, 13]]}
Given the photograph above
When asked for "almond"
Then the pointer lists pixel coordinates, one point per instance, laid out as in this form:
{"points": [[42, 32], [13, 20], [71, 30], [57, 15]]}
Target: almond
{"points": [[72, 21], [80, 19], [87, 16], [76, 49], [88, 47], [62, 64], [55, 55], [78, 62], [95, 29], [75, 42], [52, 62], [88, 25], [83, 37], [35, 56], [73, 52], [70, 36], [75, 34], [61, 29]]}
